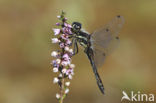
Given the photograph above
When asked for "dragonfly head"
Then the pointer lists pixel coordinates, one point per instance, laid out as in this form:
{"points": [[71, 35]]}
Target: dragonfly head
{"points": [[76, 26]]}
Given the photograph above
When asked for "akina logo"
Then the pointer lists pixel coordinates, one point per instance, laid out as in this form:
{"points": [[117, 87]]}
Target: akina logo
{"points": [[138, 96]]}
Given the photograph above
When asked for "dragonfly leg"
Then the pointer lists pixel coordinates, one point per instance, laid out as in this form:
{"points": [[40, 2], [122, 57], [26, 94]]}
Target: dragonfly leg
{"points": [[75, 47]]}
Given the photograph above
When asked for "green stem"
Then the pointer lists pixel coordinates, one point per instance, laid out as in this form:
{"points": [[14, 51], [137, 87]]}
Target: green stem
{"points": [[62, 91]]}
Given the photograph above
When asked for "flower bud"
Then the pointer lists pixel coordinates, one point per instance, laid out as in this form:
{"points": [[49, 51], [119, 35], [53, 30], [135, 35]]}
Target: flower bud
{"points": [[58, 96], [55, 40], [66, 91], [64, 70], [58, 61], [55, 69], [72, 66], [71, 51], [66, 48], [58, 16], [55, 80], [67, 83], [54, 54], [70, 76], [56, 31]]}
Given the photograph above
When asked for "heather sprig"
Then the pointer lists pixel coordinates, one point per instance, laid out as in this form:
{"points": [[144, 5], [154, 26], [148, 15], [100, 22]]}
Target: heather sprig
{"points": [[62, 65]]}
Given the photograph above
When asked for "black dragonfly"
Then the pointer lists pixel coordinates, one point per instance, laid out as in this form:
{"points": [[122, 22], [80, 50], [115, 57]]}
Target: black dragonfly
{"points": [[98, 44]]}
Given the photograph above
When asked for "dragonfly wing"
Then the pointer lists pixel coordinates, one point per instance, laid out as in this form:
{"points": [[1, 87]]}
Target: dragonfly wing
{"points": [[99, 56], [105, 40]]}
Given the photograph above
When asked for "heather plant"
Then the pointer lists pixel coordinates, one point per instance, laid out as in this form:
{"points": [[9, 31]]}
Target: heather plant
{"points": [[62, 64]]}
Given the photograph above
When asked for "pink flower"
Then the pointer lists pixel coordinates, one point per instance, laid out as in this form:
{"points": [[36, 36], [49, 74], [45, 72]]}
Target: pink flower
{"points": [[62, 45], [65, 19], [58, 61], [55, 40], [67, 25], [71, 51], [66, 91], [64, 70], [58, 16], [55, 80], [58, 96], [70, 76], [55, 69], [66, 48], [67, 30], [55, 64], [72, 66], [64, 36], [56, 31], [54, 54], [70, 71], [68, 42], [66, 57], [58, 24], [67, 83], [64, 63]]}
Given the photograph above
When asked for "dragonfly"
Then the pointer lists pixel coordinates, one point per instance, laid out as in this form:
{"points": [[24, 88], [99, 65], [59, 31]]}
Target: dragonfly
{"points": [[98, 44]]}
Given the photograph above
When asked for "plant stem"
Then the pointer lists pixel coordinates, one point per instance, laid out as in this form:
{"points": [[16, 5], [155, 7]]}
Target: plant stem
{"points": [[62, 90]]}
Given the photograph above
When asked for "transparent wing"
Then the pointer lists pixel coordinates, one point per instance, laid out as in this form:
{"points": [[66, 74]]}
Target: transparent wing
{"points": [[105, 40]]}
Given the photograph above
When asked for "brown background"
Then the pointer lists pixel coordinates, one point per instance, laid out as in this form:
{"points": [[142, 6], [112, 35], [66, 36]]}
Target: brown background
{"points": [[25, 47]]}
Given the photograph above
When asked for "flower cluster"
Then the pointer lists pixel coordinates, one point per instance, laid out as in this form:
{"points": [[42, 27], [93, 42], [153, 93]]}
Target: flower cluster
{"points": [[62, 64]]}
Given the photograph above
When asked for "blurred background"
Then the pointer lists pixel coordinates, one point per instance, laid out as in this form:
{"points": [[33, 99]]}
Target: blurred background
{"points": [[25, 48]]}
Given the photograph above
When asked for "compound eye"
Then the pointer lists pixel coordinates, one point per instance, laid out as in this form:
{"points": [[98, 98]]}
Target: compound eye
{"points": [[76, 25]]}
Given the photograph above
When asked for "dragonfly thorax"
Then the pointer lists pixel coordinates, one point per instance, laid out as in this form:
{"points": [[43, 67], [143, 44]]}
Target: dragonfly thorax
{"points": [[82, 37]]}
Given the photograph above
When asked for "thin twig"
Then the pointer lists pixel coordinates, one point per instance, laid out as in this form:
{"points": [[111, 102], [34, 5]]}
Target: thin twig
{"points": [[62, 91]]}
